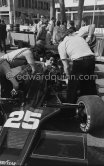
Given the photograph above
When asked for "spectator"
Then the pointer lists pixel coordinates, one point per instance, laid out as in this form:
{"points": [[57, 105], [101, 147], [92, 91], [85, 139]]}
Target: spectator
{"points": [[51, 25], [41, 35], [3, 36], [57, 33], [41, 22], [35, 26], [71, 23], [50, 28], [63, 27], [48, 38], [0, 36]]}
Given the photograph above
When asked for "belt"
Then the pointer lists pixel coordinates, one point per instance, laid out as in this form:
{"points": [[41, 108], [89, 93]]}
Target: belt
{"points": [[85, 58]]}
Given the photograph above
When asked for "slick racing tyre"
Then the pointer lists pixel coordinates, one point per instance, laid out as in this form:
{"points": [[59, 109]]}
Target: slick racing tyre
{"points": [[91, 113]]}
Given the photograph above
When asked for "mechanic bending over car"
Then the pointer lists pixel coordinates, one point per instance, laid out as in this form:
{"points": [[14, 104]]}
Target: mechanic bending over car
{"points": [[78, 62], [13, 59], [20, 57], [17, 58], [4, 71]]}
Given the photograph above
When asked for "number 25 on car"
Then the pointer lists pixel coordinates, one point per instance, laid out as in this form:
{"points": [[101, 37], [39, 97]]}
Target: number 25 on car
{"points": [[25, 120]]}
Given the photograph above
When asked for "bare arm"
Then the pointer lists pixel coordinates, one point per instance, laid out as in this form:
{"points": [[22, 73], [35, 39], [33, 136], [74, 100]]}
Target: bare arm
{"points": [[39, 34], [30, 59], [6, 70], [66, 67], [91, 31]]}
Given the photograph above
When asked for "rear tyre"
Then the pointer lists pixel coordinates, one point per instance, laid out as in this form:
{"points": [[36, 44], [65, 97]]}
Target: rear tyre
{"points": [[91, 114]]}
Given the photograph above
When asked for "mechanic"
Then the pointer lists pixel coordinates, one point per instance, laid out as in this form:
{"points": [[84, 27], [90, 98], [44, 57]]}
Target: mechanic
{"points": [[48, 63], [14, 59], [78, 62], [20, 57], [39, 85]]}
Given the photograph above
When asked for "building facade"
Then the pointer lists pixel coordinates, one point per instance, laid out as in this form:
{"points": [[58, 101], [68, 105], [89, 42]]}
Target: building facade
{"points": [[92, 8], [17, 11]]}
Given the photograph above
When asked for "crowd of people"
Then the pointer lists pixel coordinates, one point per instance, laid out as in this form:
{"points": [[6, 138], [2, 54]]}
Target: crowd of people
{"points": [[74, 52], [50, 33]]}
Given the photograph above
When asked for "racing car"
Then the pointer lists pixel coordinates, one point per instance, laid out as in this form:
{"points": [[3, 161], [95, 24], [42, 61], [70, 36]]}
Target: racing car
{"points": [[29, 132]]}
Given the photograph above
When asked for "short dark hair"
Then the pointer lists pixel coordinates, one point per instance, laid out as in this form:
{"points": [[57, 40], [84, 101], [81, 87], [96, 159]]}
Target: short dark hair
{"points": [[48, 55], [71, 23], [64, 22], [85, 19], [52, 18], [58, 23], [70, 30]]}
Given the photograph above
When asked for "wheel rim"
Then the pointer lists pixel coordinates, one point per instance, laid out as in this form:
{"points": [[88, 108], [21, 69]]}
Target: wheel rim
{"points": [[84, 117]]}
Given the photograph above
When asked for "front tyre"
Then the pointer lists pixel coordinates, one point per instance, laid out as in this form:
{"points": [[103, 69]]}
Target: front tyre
{"points": [[91, 113]]}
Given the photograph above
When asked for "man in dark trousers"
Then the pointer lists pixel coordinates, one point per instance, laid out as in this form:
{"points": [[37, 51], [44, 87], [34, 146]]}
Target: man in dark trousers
{"points": [[3, 36], [79, 64]]}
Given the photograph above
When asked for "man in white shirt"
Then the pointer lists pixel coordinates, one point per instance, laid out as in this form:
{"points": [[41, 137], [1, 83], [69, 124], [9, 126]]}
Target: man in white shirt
{"points": [[79, 62]]}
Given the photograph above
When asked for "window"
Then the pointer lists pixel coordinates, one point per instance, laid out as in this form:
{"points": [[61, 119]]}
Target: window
{"points": [[47, 6], [0, 2], [23, 4], [19, 3], [29, 3], [4, 2], [36, 4], [33, 4], [26, 3], [75, 1], [41, 5], [18, 14], [44, 5]]}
